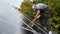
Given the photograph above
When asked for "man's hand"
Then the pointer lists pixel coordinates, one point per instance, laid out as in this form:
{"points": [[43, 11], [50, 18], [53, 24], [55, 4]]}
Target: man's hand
{"points": [[33, 21], [38, 16], [31, 24], [35, 16]]}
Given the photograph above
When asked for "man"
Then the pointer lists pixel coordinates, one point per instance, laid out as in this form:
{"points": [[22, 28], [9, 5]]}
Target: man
{"points": [[42, 12]]}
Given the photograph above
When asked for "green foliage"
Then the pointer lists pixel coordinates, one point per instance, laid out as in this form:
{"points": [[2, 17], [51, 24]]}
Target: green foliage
{"points": [[54, 6], [26, 8], [36, 1]]}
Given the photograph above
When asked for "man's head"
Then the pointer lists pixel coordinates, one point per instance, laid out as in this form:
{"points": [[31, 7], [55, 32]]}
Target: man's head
{"points": [[34, 7], [39, 6]]}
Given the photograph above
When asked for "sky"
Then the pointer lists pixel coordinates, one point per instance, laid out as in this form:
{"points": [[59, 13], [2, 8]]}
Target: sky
{"points": [[15, 3]]}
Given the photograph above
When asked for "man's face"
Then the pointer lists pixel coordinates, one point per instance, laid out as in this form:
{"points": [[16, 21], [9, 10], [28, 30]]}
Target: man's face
{"points": [[34, 8]]}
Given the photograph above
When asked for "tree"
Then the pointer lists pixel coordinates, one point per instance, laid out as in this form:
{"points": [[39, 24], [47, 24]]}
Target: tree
{"points": [[26, 8]]}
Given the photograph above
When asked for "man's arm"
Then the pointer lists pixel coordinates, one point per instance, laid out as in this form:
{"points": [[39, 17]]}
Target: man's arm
{"points": [[35, 18], [37, 14]]}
